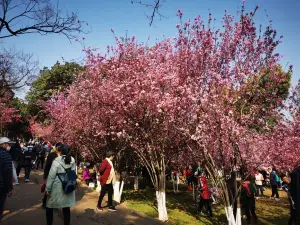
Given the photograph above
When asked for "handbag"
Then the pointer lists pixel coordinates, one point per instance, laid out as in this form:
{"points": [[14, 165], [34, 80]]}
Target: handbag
{"points": [[43, 187]]}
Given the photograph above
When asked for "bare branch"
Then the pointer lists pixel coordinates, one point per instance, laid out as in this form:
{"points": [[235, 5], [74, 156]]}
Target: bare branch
{"points": [[157, 4], [17, 70], [36, 16]]}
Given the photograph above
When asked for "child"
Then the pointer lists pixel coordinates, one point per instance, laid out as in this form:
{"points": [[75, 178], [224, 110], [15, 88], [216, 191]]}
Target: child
{"points": [[189, 173], [204, 196], [86, 176]]}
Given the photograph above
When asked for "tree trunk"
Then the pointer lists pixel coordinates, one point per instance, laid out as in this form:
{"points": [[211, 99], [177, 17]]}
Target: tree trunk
{"points": [[238, 219], [98, 184], [161, 205], [161, 195], [136, 183], [177, 182], [229, 215], [118, 189]]}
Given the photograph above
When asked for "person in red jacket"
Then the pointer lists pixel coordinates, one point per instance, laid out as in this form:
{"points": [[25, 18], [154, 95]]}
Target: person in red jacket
{"points": [[189, 174], [204, 196], [107, 179]]}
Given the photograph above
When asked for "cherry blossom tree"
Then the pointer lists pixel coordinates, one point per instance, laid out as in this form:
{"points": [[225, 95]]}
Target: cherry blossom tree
{"points": [[7, 114], [202, 93]]}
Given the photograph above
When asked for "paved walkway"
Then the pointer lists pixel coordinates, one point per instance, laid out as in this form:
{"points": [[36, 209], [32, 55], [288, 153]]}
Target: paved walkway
{"points": [[24, 208]]}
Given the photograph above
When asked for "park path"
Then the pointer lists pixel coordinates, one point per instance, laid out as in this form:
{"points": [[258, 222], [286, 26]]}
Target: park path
{"points": [[24, 208]]}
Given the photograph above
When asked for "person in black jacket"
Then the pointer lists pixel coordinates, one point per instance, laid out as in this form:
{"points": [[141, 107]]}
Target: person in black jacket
{"points": [[41, 153], [49, 161], [15, 153], [5, 173], [295, 197], [29, 157]]}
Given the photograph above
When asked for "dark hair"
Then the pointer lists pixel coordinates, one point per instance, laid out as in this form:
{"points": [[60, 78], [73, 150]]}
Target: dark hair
{"points": [[59, 146], [109, 154], [65, 150]]}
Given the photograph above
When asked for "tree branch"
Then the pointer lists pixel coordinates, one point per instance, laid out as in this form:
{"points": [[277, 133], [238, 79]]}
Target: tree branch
{"points": [[38, 16], [157, 4]]}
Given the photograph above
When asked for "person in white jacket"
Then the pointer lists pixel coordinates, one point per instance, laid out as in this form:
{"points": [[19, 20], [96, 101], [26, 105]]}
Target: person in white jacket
{"points": [[259, 178]]}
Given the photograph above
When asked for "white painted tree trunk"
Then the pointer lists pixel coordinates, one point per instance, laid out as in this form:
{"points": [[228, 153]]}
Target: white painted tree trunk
{"points": [[177, 182], [238, 219], [76, 168], [161, 205], [174, 185], [118, 189], [136, 183], [230, 216], [98, 184]]}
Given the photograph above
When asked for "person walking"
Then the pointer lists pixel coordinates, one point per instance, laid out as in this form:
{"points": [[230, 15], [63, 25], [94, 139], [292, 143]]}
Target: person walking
{"points": [[6, 177], [274, 184], [15, 152], [41, 153], [107, 180], [27, 162], [50, 158], [248, 201], [204, 196], [189, 173], [259, 184], [295, 197], [57, 198]]}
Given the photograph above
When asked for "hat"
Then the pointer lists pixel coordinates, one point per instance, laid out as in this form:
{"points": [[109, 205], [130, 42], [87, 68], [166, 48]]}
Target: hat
{"points": [[4, 140]]}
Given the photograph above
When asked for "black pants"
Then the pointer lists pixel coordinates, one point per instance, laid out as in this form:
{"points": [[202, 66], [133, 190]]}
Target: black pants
{"points": [[41, 161], [206, 204], [190, 180], [259, 187], [66, 212], [106, 188], [27, 171], [249, 208], [18, 169], [44, 200], [275, 191], [2, 202]]}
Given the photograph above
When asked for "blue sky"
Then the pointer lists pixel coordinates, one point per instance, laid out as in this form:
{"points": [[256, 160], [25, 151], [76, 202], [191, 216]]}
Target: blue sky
{"points": [[122, 16]]}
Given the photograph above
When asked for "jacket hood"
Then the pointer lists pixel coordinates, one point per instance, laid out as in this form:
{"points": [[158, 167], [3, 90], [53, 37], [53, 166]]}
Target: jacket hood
{"points": [[61, 161]]}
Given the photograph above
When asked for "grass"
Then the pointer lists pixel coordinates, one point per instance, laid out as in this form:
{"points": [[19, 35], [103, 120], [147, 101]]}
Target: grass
{"points": [[182, 209]]}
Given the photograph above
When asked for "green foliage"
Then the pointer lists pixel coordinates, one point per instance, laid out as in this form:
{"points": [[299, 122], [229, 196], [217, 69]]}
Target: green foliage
{"points": [[58, 78], [182, 210], [261, 95]]}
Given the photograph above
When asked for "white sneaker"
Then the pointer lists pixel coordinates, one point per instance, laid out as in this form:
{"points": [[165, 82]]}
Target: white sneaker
{"points": [[16, 183], [277, 199]]}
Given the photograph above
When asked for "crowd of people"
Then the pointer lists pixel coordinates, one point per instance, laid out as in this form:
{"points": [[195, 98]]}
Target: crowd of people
{"points": [[60, 180], [60, 176]]}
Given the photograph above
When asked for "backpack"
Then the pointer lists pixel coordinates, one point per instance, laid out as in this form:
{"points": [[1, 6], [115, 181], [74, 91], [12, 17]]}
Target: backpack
{"points": [[277, 178], [69, 181]]}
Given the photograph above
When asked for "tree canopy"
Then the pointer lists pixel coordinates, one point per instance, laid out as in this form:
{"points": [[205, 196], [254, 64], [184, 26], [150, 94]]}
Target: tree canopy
{"points": [[50, 81]]}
